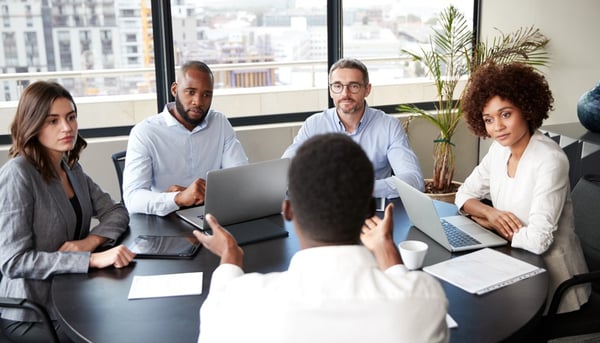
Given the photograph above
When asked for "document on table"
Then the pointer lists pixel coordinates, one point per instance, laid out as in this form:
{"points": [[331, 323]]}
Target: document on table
{"points": [[483, 271], [166, 285], [451, 322]]}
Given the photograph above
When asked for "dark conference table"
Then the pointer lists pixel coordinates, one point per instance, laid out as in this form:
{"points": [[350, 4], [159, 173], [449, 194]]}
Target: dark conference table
{"points": [[95, 307]]}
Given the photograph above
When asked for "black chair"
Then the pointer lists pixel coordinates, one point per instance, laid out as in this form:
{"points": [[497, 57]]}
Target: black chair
{"points": [[118, 159], [40, 311], [586, 320]]}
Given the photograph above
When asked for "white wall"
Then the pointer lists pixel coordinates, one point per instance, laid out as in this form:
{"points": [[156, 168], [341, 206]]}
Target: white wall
{"points": [[574, 47], [572, 27]]}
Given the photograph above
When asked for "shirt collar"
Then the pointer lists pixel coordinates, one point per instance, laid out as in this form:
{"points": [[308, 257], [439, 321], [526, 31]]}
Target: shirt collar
{"points": [[334, 256]]}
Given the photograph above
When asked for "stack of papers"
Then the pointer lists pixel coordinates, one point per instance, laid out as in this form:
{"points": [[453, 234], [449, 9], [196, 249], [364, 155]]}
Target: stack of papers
{"points": [[483, 271]]}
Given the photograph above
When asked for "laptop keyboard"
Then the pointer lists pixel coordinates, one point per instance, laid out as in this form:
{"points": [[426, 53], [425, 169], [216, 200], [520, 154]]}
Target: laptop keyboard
{"points": [[456, 237]]}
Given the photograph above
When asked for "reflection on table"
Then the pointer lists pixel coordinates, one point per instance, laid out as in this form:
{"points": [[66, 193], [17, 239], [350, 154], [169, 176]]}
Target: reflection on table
{"points": [[96, 309]]}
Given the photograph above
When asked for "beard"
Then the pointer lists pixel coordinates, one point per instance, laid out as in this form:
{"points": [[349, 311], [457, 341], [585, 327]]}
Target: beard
{"points": [[183, 113]]}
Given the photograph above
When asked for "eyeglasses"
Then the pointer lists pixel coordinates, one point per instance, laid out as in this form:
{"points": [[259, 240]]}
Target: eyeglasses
{"points": [[338, 87]]}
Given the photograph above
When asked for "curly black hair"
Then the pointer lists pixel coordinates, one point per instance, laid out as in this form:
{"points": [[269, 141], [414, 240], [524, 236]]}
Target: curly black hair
{"points": [[330, 187], [516, 82]]}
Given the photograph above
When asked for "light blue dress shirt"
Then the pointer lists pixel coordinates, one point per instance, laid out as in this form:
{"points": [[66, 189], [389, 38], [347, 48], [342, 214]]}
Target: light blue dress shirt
{"points": [[383, 139], [161, 152]]}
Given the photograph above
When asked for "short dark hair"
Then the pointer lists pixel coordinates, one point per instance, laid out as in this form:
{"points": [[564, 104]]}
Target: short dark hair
{"points": [[33, 108], [330, 188], [516, 82], [195, 65], [351, 63]]}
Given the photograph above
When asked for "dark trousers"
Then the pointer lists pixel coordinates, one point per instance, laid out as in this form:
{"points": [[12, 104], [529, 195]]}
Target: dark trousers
{"points": [[29, 332]]}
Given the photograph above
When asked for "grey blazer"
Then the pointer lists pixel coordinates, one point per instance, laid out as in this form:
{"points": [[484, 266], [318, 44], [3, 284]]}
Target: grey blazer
{"points": [[36, 218]]}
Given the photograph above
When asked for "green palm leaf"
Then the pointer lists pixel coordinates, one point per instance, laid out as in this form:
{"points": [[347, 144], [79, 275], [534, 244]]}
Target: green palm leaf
{"points": [[452, 56]]}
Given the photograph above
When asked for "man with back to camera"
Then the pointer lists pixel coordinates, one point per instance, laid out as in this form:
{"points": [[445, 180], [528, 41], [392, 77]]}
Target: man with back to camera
{"points": [[380, 135], [335, 290], [169, 154]]}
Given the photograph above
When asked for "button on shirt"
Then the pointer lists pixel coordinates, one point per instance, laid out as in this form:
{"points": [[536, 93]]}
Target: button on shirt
{"points": [[161, 152], [328, 294], [383, 139]]}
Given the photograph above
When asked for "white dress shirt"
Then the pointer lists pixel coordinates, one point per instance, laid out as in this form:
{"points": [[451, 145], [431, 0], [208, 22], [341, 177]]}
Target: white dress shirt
{"points": [[328, 294], [539, 195], [161, 152], [383, 139]]}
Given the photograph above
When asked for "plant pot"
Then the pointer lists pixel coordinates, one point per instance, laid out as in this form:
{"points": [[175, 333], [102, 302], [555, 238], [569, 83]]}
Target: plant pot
{"points": [[446, 197]]}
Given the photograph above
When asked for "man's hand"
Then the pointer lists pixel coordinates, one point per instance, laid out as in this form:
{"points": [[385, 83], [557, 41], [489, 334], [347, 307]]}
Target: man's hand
{"points": [[377, 236], [193, 195], [175, 188], [221, 243], [118, 256]]}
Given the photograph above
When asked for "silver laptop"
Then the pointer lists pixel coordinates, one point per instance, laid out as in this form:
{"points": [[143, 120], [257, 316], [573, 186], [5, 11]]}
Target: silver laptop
{"points": [[241, 194], [455, 233]]}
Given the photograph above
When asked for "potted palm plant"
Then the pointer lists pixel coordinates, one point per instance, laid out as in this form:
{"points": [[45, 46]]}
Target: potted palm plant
{"points": [[452, 54]]}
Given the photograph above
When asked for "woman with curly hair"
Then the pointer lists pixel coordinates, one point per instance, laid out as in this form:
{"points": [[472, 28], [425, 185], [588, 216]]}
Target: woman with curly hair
{"points": [[525, 174]]}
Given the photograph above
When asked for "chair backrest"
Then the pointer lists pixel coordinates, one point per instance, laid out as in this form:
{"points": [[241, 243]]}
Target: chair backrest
{"points": [[25, 304], [586, 199], [118, 159], [40, 311]]}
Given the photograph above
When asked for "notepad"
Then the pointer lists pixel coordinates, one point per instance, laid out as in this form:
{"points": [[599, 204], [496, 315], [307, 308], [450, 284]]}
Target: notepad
{"points": [[483, 271]]}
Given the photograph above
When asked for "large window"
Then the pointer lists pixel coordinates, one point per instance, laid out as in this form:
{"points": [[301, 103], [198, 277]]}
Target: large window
{"points": [[270, 57], [378, 30]]}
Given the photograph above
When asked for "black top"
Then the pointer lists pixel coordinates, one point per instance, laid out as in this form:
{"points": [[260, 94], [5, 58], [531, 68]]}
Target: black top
{"points": [[77, 208]]}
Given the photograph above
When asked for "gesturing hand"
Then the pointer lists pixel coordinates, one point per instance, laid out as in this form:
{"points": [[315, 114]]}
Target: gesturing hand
{"points": [[221, 242], [377, 235]]}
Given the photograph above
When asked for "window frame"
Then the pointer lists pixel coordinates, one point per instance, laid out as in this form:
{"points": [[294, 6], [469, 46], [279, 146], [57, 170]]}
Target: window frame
{"points": [[164, 68]]}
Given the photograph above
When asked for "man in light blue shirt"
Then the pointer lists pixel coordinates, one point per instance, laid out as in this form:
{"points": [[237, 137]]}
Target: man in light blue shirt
{"points": [[169, 154], [381, 136]]}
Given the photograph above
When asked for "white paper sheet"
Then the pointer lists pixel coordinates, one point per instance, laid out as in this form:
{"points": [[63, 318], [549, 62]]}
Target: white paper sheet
{"points": [[483, 271], [451, 322], [167, 285]]}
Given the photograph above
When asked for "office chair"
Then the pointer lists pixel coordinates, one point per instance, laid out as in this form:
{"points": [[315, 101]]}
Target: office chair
{"points": [[118, 159], [586, 320], [39, 310]]}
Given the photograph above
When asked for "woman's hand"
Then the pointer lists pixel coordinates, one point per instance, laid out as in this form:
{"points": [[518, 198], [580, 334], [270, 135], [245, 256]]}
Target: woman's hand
{"points": [[119, 257], [505, 223]]}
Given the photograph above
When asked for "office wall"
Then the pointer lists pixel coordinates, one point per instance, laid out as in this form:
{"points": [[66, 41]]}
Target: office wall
{"points": [[572, 27]]}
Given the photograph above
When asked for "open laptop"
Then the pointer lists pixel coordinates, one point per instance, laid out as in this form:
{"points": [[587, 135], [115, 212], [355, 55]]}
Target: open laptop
{"points": [[455, 233], [241, 197]]}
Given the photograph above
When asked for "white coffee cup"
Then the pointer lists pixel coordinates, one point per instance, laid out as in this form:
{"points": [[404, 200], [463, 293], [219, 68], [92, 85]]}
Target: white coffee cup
{"points": [[413, 253]]}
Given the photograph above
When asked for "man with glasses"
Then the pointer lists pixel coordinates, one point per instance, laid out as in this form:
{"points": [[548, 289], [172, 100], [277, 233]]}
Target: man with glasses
{"points": [[381, 136]]}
